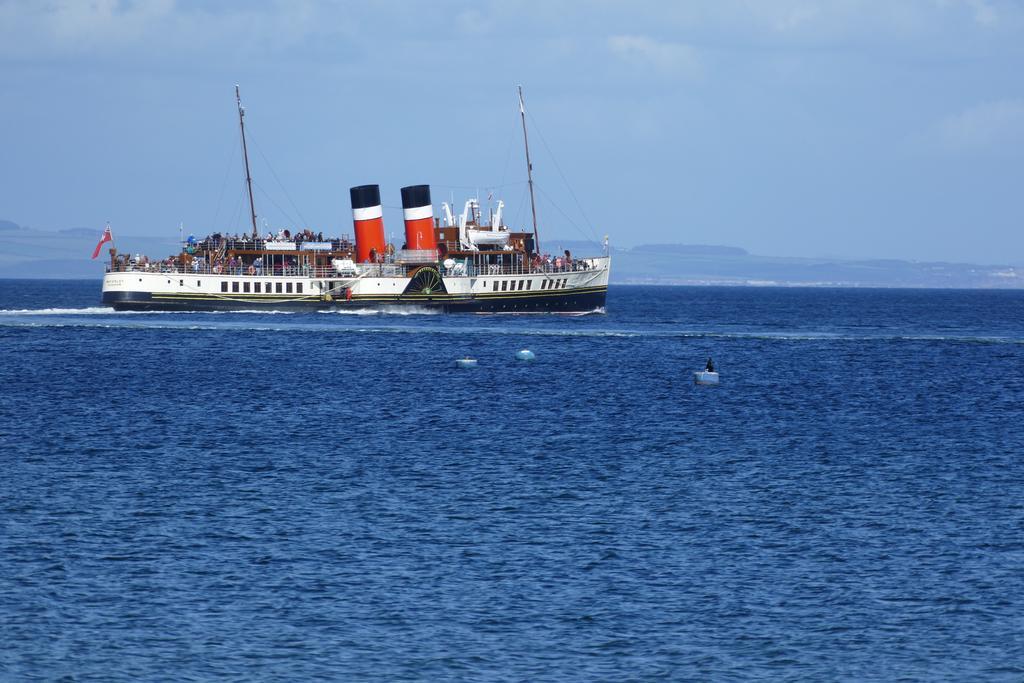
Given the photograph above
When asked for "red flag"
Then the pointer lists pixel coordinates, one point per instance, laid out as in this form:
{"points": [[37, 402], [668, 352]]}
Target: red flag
{"points": [[107, 237]]}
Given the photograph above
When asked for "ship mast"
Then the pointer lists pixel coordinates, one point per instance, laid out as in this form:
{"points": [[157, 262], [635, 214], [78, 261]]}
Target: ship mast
{"points": [[245, 155], [529, 173]]}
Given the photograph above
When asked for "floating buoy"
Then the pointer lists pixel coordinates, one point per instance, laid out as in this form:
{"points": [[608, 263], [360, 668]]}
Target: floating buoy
{"points": [[465, 363], [705, 377], [525, 354]]}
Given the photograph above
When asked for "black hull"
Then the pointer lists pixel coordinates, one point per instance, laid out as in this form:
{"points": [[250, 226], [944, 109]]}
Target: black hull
{"points": [[584, 301]]}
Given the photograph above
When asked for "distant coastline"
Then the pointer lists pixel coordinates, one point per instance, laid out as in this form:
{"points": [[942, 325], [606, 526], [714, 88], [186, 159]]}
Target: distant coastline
{"points": [[30, 253]]}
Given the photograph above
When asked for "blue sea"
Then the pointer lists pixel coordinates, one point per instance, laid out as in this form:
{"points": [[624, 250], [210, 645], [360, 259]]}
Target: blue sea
{"points": [[319, 496]]}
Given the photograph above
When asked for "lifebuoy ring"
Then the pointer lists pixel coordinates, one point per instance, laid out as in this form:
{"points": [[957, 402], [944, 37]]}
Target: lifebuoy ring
{"points": [[252, 270]]}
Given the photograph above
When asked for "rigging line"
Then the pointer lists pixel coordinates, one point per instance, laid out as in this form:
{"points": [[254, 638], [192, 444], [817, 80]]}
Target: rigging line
{"points": [[238, 209], [566, 216], [290, 218], [474, 188], [564, 179], [519, 207], [279, 183], [508, 151], [224, 182]]}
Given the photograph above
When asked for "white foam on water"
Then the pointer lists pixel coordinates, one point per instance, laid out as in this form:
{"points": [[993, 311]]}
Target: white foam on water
{"points": [[95, 310], [384, 310]]}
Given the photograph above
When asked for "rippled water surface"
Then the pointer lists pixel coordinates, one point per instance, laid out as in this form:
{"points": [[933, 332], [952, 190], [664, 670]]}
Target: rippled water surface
{"points": [[322, 496]]}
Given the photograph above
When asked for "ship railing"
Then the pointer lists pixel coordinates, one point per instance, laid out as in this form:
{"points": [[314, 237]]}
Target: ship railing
{"points": [[416, 256], [359, 270], [254, 271], [469, 268], [225, 243]]}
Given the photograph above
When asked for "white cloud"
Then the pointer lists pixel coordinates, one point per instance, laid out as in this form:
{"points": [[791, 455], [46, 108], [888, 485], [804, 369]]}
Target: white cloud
{"points": [[985, 126], [663, 57], [983, 12]]}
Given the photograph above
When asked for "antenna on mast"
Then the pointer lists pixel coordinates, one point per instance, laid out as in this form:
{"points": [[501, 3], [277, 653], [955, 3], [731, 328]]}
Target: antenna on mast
{"points": [[245, 155], [529, 173]]}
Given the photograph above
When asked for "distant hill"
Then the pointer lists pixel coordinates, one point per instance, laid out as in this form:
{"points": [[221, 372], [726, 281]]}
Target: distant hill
{"points": [[688, 250], [82, 232], [29, 253]]}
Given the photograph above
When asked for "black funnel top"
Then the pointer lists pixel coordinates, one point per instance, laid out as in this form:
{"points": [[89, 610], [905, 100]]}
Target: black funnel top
{"points": [[365, 196], [415, 196]]}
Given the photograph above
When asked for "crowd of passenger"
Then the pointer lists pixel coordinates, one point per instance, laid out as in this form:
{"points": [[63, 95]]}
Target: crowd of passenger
{"points": [[227, 242], [201, 265], [560, 263]]}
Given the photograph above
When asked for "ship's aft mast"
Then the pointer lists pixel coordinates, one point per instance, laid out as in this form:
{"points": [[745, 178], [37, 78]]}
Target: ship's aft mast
{"points": [[529, 173], [245, 156]]}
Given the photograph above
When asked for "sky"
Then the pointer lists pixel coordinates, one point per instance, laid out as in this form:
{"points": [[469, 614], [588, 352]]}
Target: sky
{"points": [[840, 128]]}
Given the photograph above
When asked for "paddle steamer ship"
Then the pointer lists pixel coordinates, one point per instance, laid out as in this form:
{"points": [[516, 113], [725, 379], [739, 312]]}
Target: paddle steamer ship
{"points": [[464, 263]]}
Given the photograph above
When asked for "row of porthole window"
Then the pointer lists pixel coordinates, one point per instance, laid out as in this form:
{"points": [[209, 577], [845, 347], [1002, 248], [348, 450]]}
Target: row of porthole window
{"points": [[510, 285], [554, 284], [257, 287]]}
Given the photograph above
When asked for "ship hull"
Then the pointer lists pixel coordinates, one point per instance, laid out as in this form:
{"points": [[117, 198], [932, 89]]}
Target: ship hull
{"points": [[572, 291], [582, 301]]}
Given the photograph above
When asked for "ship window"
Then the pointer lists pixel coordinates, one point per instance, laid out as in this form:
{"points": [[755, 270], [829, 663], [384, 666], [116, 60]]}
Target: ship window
{"points": [[223, 286], [495, 285], [256, 287], [234, 286], [504, 285], [270, 288], [245, 287], [529, 284], [298, 287], [288, 287], [278, 287], [543, 284], [181, 283], [521, 283], [565, 281], [198, 284]]}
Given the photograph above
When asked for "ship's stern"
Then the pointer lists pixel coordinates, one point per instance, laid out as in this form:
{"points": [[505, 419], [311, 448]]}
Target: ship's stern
{"points": [[125, 291]]}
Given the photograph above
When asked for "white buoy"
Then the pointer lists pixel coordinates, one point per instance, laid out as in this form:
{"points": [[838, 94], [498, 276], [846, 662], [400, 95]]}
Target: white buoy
{"points": [[465, 363], [525, 354], [705, 377]]}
